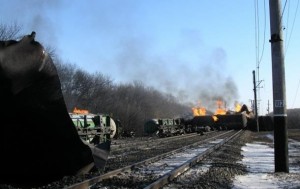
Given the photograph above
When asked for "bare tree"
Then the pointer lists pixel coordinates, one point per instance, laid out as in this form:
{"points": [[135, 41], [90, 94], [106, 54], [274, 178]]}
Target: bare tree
{"points": [[135, 104], [66, 74], [131, 103], [101, 94], [9, 32]]}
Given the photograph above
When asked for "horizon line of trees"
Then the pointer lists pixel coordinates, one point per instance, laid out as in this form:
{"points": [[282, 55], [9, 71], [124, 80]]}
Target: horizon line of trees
{"points": [[130, 103]]}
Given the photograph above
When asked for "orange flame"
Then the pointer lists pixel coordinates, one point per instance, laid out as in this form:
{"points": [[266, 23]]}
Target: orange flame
{"points": [[215, 118], [78, 111], [237, 107], [199, 111], [220, 110]]}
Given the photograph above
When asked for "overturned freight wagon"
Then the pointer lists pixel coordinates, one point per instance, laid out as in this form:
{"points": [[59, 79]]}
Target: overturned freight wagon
{"points": [[164, 127], [94, 128], [265, 124], [231, 121], [202, 123], [151, 127]]}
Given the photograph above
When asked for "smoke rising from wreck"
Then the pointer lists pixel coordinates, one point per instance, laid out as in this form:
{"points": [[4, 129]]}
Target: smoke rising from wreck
{"points": [[33, 16], [203, 79], [183, 66]]}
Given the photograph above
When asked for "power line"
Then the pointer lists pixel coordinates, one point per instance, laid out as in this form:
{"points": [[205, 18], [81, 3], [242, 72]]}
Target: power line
{"points": [[286, 28], [259, 53], [288, 42], [283, 10], [256, 19], [262, 53], [296, 94], [289, 39]]}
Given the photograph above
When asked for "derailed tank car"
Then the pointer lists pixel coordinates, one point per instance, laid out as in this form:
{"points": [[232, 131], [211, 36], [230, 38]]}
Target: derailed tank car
{"points": [[265, 124], [231, 121], [96, 130], [164, 127], [151, 126], [202, 123], [234, 120], [169, 127], [93, 126]]}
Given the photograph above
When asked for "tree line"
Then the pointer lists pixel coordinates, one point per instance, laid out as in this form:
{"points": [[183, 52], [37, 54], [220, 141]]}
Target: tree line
{"points": [[130, 103]]}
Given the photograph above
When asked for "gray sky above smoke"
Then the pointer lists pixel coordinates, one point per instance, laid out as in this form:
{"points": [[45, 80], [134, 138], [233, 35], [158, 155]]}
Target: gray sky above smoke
{"points": [[195, 50]]}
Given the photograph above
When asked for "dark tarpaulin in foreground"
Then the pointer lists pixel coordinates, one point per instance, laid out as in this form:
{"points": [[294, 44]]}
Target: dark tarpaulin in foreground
{"points": [[38, 142]]}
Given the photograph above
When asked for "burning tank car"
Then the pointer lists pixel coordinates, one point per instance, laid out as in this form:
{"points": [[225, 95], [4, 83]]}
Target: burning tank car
{"points": [[221, 122], [171, 127], [39, 143], [198, 124], [164, 127]]}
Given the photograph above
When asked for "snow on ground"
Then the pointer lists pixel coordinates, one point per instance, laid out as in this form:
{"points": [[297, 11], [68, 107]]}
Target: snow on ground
{"points": [[259, 159]]}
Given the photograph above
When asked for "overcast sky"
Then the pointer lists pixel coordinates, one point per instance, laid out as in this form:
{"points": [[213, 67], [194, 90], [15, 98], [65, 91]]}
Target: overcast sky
{"points": [[196, 50]]}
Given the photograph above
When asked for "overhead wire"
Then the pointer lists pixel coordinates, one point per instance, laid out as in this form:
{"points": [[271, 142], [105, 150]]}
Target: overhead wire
{"points": [[286, 28], [295, 15], [257, 32], [290, 35], [259, 53], [283, 9], [282, 13], [256, 19], [296, 94], [264, 40], [286, 48]]}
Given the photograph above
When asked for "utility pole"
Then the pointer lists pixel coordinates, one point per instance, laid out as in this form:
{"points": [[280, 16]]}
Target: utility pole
{"points": [[279, 96], [255, 101]]}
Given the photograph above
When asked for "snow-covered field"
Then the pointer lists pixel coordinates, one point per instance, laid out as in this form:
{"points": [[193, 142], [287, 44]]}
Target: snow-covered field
{"points": [[259, 159]]}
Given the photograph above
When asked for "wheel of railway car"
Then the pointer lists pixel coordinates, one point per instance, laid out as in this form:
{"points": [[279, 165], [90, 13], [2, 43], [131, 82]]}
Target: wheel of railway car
{"points": [[207, 128], [159, 133], [113, 128], [87, 137], [219, 128], [182, 132]]}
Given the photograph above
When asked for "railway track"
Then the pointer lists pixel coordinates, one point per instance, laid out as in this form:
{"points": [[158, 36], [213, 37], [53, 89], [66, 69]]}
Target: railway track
{"points": [[159, 170], [139, 152], [129, 145]]}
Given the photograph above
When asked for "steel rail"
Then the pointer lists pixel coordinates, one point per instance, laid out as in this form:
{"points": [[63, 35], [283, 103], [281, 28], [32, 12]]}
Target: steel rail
{"points": [[132, 147], [119, 147], [90, 182], [184, 167]]}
